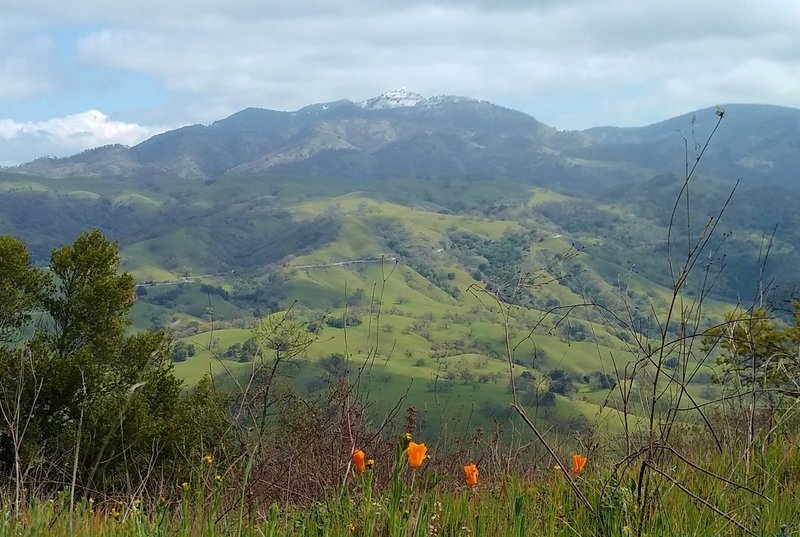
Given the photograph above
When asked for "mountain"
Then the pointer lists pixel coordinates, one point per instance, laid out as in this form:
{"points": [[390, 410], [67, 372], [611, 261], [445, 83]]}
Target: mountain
{"points": [[401, 134], [756, 143], [406, 148], [448, 136]]}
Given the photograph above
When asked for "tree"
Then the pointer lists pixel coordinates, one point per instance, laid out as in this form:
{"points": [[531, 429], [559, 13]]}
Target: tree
{"points": [[88, 300], [233, 351], [248, 350], [97, 405], [180, 352], [335, 364], [757, 351]]}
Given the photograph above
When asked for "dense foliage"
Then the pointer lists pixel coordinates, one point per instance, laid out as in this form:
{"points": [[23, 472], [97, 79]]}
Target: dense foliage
{"points": [[82, 401]]}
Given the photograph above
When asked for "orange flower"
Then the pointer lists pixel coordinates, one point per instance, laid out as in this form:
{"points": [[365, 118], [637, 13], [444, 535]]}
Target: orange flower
{"points": [[578, 462], [358, 460], [416, 454], [471, 471]]}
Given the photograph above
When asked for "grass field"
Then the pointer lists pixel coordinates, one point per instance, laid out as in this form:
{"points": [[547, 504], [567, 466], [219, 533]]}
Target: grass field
{"points": [[436, 499]]}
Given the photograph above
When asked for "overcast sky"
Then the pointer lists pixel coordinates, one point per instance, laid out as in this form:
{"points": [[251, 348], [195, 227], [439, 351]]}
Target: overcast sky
{"points": [[76, 74]]}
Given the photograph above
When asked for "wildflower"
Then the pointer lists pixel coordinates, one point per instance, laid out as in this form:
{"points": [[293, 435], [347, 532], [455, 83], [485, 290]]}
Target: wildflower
{"points": [[184, 485], [557, 468], [405, 440], [578, 462], [137, 501], [208, 459], [351, 527], [358, 460], [217, 478], [416, 454], [471, 472], [370, 463]]}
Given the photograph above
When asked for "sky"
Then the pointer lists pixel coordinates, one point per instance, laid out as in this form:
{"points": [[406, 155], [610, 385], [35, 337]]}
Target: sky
{"points": [[76, 74]]}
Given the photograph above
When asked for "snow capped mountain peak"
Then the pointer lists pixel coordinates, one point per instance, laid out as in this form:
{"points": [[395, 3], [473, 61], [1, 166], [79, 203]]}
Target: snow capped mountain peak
{"points": [[393, 99], [403, 98]]}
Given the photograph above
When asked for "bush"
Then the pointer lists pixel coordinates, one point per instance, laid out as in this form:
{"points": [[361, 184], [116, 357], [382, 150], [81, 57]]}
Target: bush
{"points": [[562, 386], [335, 364], [341, 322], [180, 351]]}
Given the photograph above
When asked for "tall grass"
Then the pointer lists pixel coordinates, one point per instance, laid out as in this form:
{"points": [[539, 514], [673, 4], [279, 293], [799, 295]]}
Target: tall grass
{"points": [[433, 504]]}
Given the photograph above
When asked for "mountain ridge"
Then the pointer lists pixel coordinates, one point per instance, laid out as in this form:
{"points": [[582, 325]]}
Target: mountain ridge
{"points": [[444, 136]]}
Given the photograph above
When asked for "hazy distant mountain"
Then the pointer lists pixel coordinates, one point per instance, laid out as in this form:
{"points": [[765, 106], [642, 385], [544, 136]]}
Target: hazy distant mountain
{"points": [[401, 134], [759, 144]]}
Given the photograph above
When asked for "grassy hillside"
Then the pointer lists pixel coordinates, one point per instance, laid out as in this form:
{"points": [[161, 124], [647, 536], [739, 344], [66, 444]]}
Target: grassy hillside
{"points": [[441, 342]]}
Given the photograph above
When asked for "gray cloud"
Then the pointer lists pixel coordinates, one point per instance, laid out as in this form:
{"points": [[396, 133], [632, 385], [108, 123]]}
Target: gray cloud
{"points": [[443, 47], [572, 64]]}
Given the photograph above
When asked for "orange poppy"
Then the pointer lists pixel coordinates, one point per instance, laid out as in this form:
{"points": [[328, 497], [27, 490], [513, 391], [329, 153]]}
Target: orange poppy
{"points": [[358, 460], [578, 462], [471, 471], [416, 454]]}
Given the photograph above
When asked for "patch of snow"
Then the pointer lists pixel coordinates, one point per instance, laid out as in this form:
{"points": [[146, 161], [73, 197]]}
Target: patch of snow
{"points": [[393, 99], [403, 98], [446, 99]]}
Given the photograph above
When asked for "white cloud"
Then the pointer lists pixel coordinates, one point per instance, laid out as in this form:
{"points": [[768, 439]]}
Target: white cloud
{"points": [[62, 136], [620, 61]]}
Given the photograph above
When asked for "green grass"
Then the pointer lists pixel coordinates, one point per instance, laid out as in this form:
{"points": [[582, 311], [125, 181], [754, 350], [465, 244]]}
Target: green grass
{"points": [[210, 346], [394, 500]]}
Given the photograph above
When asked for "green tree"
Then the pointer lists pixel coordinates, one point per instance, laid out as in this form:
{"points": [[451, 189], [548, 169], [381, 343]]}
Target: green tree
{"points": [[95, 405], [180, 351], [89, 299], [248, 350], [20, 287], [757, 350]]}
